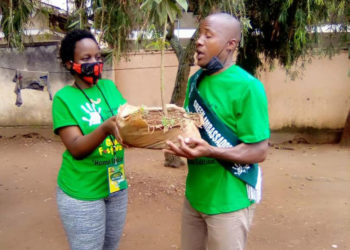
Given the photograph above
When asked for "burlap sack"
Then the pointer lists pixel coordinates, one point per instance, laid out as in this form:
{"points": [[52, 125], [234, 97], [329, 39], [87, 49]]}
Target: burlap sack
{"points": [[138, 128]]}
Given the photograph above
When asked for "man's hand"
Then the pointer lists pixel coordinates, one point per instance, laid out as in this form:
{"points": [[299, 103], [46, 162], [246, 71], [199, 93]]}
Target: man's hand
{"points": [[242, 153], [189, 148]]}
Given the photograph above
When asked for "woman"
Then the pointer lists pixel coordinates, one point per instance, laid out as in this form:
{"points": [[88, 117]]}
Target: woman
{"points": [[92, 189]]}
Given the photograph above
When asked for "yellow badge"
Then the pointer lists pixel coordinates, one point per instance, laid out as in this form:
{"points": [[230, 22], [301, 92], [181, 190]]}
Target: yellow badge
{"points": [[116, 178]]}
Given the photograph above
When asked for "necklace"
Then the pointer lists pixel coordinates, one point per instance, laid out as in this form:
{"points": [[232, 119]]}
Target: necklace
{"points": [[97, 102]]}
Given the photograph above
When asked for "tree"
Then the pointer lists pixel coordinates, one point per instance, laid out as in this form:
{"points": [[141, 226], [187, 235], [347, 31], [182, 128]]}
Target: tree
{"points": [[115, 20], [160, 13], [15, 14], [287, 31]]}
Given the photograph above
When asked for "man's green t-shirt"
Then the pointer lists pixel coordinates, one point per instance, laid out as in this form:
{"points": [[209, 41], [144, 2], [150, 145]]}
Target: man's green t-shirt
{"points": [[86, 179], [239, 100]]}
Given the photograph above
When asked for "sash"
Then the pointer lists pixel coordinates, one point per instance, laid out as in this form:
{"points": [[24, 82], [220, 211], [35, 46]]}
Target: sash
{"points": [[218, 134]]}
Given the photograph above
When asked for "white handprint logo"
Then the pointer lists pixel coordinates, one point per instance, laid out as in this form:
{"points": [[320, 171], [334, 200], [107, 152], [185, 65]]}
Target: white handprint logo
{"points": [[95, 117]]}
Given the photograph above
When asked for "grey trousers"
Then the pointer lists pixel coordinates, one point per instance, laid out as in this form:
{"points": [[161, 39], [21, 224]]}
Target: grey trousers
{"points": [[93, 225]]}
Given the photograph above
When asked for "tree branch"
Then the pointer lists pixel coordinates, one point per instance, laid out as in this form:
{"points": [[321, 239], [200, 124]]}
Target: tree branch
{"points": [[174, 42], [185, 62]]}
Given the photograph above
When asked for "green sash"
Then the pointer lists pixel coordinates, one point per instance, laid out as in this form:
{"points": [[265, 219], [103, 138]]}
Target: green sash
{"points": [[218, 134]]}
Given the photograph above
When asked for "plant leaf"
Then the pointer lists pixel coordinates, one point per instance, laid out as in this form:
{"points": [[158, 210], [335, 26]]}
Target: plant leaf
{"points": [[146, 3], [171, 10], [183, 4], [73, 24]]}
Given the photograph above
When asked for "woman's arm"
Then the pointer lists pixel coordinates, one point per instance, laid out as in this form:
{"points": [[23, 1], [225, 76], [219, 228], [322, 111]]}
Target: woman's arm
{"points": [[80, 145], [242, 153]]}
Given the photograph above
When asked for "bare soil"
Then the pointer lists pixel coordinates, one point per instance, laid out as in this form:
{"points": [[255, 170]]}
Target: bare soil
{"points": [[157, 120], [306, 198], [174, 118]]}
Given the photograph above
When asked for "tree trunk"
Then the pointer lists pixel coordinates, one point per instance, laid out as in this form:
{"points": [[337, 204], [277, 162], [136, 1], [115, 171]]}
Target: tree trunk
{"points": [[183, 72], [185, 58], [102, 22], [345, 137], [165, 111], [10, 23]]}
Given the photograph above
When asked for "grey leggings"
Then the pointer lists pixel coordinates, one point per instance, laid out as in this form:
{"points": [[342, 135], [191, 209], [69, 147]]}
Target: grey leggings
{"points": [[93, 225]]}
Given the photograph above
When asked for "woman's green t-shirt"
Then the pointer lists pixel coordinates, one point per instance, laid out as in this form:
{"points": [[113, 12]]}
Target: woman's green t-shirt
{"points": [[86, 179], [239, 100]]}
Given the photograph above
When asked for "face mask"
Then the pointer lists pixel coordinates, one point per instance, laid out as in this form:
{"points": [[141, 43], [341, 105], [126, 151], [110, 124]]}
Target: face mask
{"points": [[89, 72], [214, 65]]}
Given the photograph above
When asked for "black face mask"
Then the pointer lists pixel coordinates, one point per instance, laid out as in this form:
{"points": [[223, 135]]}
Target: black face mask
{"points": [[214, 65]]}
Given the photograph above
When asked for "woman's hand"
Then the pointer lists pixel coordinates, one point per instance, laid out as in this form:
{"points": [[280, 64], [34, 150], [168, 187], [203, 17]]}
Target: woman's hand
{"points": [[110, 127], [80, 145]]}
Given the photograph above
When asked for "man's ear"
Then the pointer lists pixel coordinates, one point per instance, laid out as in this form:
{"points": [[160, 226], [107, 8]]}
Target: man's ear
{"points": [[232, 44], [68, 65]]}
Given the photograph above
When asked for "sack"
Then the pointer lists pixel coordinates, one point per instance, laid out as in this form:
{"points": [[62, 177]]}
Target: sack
{"points": [[147, 127]]}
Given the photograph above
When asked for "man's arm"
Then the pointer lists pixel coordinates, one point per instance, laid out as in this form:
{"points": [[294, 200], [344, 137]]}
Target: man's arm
{"points": [[243, 153]]}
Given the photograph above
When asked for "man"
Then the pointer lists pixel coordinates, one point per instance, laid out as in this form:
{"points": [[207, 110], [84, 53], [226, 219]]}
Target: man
{"points": [[223, 180]]}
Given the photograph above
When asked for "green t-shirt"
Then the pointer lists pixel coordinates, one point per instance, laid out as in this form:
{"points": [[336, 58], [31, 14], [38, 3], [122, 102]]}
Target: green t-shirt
{"points": [[239, 100], [86, 179]]}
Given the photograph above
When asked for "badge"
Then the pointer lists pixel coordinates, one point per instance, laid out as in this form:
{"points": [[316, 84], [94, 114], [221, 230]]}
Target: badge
{"points": [[116, 177]]}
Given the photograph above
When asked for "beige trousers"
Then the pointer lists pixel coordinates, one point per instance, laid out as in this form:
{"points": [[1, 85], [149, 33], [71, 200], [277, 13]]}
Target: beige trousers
{"points": [[227, 231]]}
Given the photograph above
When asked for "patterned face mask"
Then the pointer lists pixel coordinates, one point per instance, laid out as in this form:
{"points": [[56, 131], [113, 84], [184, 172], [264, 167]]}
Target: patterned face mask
{"points": [[89, 72]]}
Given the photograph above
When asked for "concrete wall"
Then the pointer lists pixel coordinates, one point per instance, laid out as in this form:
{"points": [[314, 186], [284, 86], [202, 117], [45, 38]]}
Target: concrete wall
{"points": [[36, 108], [138, 77], [321, 99]]}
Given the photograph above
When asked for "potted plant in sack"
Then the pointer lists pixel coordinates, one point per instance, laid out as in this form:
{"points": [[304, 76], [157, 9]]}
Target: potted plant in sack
{"points": [[151, 127]]}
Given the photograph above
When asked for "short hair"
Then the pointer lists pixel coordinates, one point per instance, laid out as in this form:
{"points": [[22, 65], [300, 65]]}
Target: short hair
{"points": [[68, 43], [232, 19]]}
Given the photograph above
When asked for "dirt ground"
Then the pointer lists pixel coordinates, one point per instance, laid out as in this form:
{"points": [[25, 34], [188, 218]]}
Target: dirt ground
{"points": [[306, 198]]}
